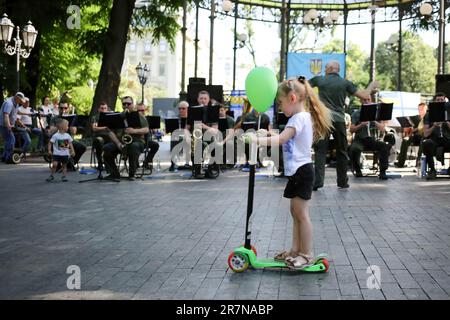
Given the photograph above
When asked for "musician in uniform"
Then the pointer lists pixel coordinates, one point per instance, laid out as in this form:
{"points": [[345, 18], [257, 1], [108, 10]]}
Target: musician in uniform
{"points": [[436, 138], [412, 136], [366, 134], [132, 150], [102, 135], [183, 107], [152, 146], [203, 100]]}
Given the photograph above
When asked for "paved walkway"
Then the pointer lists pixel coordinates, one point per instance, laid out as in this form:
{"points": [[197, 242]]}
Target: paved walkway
{"points": [[169, 237]]}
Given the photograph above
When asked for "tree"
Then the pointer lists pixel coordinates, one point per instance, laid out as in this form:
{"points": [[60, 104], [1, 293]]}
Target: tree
{"points": [[418, 61], [56, 62], [113, 53], [159, 17]]}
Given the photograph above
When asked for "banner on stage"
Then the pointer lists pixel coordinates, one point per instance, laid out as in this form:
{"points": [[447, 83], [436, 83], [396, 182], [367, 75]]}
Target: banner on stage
{"points": [[312, 64]]}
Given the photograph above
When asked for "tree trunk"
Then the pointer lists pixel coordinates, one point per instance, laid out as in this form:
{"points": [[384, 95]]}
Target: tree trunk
{"points": [[113, 55]]}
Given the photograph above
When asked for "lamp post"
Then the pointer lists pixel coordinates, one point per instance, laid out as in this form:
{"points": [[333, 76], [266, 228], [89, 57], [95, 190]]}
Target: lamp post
{"points": [[241, 38], [395, 43], [29, 35], [142, 73], [427, 10]]}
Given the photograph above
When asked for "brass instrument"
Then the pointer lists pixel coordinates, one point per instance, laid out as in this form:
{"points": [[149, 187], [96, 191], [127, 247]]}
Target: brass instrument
{"points": [[127, 139], [197, 133]]}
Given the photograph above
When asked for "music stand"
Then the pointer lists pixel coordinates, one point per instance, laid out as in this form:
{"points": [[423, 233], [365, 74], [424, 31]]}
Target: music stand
{"points": [[172, 124], [405, 122], [154, 122], [133, 119], [384, 111], [223, 124], [71, 119], [368, 112], [437, 112], [113, 121], [195, 114], [409, 122], [212, 114], [81, 121]]}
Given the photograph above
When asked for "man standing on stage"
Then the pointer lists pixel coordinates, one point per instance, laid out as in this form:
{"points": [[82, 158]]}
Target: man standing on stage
{"points": [[332, 92]]}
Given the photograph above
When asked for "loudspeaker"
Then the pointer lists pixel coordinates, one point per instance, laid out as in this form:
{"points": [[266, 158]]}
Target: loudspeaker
{"points": [[443, 84], [197, 80]]}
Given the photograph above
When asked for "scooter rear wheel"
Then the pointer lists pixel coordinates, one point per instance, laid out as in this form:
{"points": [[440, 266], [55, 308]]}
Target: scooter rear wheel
{"points": [[238, 262]]}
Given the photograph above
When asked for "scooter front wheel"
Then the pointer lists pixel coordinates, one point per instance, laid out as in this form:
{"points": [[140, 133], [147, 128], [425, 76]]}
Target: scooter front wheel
{"points": [[325, 263], [238, 262], [16, 158]]}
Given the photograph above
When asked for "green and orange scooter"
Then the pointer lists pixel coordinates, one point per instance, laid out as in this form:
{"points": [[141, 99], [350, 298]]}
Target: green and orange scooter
{"points": [[243, 257]]}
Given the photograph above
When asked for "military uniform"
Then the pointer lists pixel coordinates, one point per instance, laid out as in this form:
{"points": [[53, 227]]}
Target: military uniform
{"points": [[332, 92], [133, 151], [364, 141]]}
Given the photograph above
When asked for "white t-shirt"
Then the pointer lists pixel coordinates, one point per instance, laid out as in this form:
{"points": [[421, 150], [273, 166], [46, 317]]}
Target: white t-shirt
{"points": [[47, 109], [61, 144], [297, 150], [24, 118]]}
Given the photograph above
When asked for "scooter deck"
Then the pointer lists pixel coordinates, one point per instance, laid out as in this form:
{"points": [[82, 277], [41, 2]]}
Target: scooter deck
{"points": [[271, 263]]}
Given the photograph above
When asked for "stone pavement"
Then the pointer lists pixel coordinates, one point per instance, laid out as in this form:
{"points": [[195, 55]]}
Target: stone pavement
{"points": [[168, 237]]}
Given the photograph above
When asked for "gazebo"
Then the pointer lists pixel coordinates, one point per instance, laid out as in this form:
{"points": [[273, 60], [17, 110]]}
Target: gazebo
{"points": [[317, 14]]}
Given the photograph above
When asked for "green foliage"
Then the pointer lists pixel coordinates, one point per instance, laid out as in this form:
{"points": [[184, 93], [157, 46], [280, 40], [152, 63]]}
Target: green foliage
{"points": [[419, 65], [82, 99], [160, 18], [63, 64]]}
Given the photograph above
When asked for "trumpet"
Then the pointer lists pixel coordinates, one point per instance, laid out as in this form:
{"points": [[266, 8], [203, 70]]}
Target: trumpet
{"points": [[127, 139]]}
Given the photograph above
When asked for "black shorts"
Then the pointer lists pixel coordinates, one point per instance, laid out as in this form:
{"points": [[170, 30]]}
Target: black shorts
{"points": [[61, 159], [301, 183]]}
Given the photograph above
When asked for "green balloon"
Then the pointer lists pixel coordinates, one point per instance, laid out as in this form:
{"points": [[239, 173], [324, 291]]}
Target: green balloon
{"points": [[261, 88]]}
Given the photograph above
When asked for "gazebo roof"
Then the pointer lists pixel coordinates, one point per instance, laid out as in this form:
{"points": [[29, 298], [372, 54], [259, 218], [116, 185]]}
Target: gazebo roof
{"points": [[326, 4]]}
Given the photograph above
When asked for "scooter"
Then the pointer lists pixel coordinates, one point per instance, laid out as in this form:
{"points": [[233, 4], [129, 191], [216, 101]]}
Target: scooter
{"points": [[244, 256]]}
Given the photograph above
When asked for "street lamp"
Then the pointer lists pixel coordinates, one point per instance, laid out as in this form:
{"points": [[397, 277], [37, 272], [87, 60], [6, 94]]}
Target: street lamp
{"points": [[395, 43], [142, 73], [29, 35]]}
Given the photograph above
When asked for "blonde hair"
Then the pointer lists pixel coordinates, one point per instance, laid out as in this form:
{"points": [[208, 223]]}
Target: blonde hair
{"points": [[321, 115], [61, 123]]}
